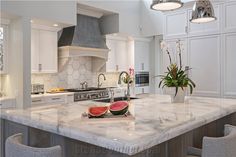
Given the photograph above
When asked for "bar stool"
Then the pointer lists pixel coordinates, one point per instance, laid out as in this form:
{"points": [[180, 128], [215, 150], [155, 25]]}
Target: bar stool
{"points": [[217, 147], [15, 148]]}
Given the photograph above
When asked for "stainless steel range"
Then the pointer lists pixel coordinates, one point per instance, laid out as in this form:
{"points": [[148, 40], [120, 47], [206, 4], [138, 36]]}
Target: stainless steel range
{"points": [[89, 93]]}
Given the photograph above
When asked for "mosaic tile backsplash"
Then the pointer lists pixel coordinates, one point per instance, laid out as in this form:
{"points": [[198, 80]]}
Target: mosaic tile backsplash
{"points": [[76, 71]]}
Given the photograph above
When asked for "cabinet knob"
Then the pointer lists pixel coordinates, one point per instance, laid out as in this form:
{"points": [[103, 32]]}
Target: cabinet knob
{"points": [[186, 29], [117, 67], [40, 67], [142, 65]]}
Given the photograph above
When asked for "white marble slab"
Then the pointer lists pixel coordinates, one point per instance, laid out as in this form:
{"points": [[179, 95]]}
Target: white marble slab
{"points": [[156, 121]]}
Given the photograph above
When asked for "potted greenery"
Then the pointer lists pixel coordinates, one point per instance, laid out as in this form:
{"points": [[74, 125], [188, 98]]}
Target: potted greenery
{"points": [[176, 79]]}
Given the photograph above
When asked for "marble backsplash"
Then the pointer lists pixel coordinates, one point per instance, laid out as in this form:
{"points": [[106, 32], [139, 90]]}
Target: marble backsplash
{"points": [[76, 71]]}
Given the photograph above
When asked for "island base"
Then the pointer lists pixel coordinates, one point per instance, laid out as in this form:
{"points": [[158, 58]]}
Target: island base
{"points": [[175, 147]]}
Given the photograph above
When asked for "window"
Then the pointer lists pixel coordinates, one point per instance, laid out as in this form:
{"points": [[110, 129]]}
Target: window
{"points": [[3, 48]]}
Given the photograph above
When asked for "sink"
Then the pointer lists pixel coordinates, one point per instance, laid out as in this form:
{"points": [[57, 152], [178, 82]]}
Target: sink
{"points": [[115, 99]]}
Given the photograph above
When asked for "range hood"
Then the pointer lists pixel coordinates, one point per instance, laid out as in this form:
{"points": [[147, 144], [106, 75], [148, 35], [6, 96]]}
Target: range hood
{"points": [[84, 39]]}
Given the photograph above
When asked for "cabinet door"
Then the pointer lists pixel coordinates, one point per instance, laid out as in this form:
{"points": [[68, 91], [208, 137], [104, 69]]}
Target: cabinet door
{"points": [[204, 59], [142, 53], [174, 55], [121, 55], [229, 47], [175, 24], [142, 90], [195, 29], [229, 17], [34, 50], [111, 64], [48, 51], [118, 58]]}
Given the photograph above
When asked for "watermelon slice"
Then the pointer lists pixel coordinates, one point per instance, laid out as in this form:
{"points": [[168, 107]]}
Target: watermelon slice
{"points": [[98, 112], [119, 107]]}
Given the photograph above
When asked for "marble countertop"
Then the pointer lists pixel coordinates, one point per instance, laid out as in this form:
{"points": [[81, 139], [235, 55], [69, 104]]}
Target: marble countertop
{"points": [[156, 121]]}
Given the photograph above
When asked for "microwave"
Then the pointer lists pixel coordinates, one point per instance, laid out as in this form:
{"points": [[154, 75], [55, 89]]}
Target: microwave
{"points": [[141, 79]]}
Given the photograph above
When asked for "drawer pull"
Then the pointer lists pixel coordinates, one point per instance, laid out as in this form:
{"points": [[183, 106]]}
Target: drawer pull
{"points": [[36, 100], [56, 98]]}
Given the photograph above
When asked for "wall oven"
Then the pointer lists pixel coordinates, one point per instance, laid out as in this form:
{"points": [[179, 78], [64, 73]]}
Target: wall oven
{"points": [[141, 79]]}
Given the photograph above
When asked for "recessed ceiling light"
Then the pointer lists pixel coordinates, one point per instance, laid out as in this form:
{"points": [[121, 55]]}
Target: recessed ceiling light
{"points": [[31, 21], [55, 25]]}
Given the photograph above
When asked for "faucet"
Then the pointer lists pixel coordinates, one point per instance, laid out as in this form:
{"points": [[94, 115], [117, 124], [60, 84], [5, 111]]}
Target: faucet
{"points": [[104, 78], [128, 84], [84, 85]]}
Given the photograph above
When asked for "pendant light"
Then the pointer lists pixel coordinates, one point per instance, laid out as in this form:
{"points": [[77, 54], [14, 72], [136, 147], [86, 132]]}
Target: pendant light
{"points": [[203, 12], [166, 5]]}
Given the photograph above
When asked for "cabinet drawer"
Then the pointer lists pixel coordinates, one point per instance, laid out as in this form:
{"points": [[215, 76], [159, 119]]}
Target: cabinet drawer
{"points": [[37, 101], [70, 98], [55, 99]]}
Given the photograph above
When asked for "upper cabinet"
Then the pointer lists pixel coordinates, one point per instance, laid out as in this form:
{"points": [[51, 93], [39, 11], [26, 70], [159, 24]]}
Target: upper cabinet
{"points": [[3, 49], [175, 24], [229, 12], [44, 54], [141, 55], [120, 55]]}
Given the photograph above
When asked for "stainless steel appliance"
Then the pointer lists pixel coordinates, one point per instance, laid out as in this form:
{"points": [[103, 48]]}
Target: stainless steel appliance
{"points": [[141, 79], [89, 93], [37, 88]]}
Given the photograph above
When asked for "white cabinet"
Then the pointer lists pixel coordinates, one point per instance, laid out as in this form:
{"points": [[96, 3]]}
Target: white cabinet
{"points": [[3, 49], [195, 29], [229, 56], [229, 13], [142, 90], [52, 99], [141, 55], [43, 51], [175, 24], [119, 57], [204, 58]]}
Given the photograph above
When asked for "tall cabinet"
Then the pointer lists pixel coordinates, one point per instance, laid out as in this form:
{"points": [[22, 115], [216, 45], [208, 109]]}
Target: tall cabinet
{"points": [[44, 54], [209, 48]]}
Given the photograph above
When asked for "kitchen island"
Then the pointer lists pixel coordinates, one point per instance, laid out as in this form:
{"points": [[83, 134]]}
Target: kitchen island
{"points": [[159, 127]]}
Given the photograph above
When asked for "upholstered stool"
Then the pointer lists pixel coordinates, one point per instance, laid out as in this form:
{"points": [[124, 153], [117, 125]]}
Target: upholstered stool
{"points": [[15, 148], [217, 147]]}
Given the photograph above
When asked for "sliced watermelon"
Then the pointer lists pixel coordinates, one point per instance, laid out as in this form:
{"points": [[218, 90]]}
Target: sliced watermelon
{"points": [[98, 112], [119, 107]]}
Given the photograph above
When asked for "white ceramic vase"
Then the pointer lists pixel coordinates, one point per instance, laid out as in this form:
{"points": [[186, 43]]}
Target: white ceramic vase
{"points": [[179, 98]]}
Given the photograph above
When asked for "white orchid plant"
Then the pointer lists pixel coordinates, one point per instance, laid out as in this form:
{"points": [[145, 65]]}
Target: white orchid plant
{"points": [[175, 75]]}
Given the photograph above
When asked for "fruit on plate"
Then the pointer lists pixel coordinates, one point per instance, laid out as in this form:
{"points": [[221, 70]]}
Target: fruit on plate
{"points": [[119, 107], [98, 112]]}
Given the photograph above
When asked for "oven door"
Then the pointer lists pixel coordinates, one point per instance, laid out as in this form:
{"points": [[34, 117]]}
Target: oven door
{"points": [[141, 79]]}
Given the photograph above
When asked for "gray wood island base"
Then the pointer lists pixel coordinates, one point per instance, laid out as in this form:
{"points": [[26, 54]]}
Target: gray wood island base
{"points": [[160, 129], [175, 147]]}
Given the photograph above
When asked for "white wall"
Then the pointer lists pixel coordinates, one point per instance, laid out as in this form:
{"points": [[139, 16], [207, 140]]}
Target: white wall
{"points": [[151, 21], [58, 11]]}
